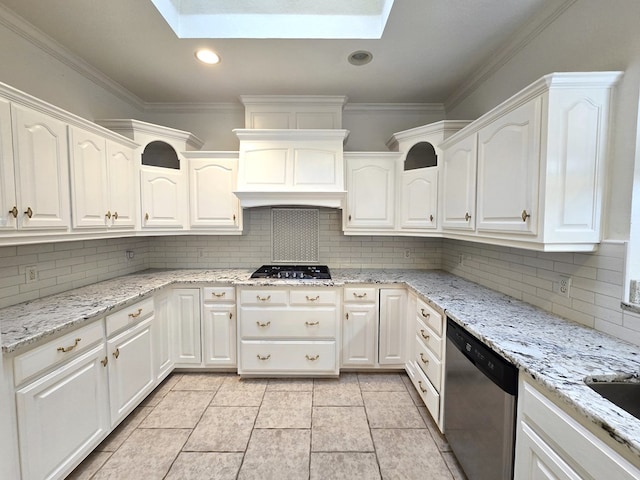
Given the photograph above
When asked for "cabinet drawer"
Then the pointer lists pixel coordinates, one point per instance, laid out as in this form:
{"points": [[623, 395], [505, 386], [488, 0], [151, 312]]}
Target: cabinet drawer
{"points": [[218, 294], [432, 340], [354, 294], [55, 351], [288, 357], [130, 315], [317, 322], [264, 297], [430, 317], [313, 297], [427, 392], [430, 365]]}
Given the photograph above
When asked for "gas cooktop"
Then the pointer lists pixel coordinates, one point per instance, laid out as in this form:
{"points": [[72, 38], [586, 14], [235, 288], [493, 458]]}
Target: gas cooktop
{"points": [[297, 272]]}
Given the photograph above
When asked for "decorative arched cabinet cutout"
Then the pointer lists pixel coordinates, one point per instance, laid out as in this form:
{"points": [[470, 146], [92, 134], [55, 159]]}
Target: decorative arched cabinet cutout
{"points": [[421, 155], [160, 154]]}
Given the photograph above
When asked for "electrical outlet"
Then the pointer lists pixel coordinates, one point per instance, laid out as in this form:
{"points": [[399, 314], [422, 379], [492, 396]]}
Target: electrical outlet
{"points": [[562, 286], [31, 274], [407, 253], [129, 254]]}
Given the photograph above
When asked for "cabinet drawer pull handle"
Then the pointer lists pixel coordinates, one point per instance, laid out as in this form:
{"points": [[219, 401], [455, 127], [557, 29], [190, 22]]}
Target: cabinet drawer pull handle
{"points": [[359, 295], [525, 215], [263, 299], [108, 214], [312, 359], [467, 217], [137, 314], [424, 360], [14, 211], [260, 357], [424, 335], [115, 215], [68, 349], [424, 314], [313, 299], [311, 324], [264, 324], [104, 361], [230, 315], [116, 353], [422, 389], [218, 295], [29, 212]]}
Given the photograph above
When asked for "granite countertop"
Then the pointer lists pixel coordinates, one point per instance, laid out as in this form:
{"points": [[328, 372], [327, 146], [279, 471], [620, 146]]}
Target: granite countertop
{"points": [[557, 353]]}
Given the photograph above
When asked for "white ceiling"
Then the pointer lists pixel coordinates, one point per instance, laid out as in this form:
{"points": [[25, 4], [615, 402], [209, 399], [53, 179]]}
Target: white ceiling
{"points": [[429, 48]]}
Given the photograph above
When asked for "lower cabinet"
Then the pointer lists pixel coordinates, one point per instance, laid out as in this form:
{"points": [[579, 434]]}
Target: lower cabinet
{"points": [[359, 327], [63, 415], [391, 341], [185, 320], [162, 352], [219, 326]]}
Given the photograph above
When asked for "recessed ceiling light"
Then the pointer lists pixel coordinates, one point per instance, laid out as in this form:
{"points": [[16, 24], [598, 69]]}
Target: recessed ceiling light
{"points": [[360, 57], [207, 56]]}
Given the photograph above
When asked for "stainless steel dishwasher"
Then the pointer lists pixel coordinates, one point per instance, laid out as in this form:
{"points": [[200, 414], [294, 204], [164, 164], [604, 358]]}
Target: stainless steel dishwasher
{"points": [[479, 406]]}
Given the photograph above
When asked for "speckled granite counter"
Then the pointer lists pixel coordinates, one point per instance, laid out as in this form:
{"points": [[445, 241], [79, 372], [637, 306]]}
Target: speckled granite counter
{"points": [[559, 354]]}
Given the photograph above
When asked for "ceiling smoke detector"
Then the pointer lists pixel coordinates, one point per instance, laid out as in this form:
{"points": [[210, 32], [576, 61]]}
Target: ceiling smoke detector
{"points": [[360, 57]]}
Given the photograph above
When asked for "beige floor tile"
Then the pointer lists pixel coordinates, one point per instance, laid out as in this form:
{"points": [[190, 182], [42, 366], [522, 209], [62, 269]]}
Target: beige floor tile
{"points": [[340, 429], [381, 382], [223, 429], [394, 417], [277, 455], [236, 382], [344, 466], [409, 454], [347, 396], [178, 409], [205, 466], [287, 399], [285, 410], [415, 396], [122, 432], [200, 381], [387, 399], [437, 436], [454, 467], [89, 466], [147, 454], [343, 380], [290, 385], [245, 397], [161, 390]]}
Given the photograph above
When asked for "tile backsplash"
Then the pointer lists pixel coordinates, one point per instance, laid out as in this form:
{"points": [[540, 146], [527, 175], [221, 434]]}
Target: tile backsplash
{"points": [[595, 291]]}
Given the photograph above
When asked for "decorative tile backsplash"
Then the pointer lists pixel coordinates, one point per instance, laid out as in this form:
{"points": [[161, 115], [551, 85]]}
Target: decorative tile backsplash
{"points": [[594, 299]]}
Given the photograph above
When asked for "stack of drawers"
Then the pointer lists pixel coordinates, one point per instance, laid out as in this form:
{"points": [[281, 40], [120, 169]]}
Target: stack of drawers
{"points": [[427, 372], [289, 331]]}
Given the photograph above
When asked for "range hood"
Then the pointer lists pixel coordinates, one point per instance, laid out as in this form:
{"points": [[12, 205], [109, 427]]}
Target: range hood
{"points": [[301, 167]]}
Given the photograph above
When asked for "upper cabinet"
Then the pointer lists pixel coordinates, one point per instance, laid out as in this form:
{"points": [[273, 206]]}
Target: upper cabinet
{"points": [[8, 204], [540, 159], [293, 111]]}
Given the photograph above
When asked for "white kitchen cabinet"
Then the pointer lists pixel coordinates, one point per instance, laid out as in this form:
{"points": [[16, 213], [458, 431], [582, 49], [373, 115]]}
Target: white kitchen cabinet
{"points": [[359, 327], [101, 181], [63, 415], [419, 205], [371, 191], [185, 319], [508, 171], [213, 177], [551, 444], [8, 203], [459, 184], [219, 326], [392, 336], [163, 356], [41, 170], [163, 198], [131, 368]]}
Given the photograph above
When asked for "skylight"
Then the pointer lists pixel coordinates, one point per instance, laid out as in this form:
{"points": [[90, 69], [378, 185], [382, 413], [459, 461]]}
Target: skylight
{"points": [[330, 19]]}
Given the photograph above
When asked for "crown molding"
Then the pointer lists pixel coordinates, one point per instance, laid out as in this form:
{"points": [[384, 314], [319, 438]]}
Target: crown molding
{"points": [[193, 107], [515, 45], [436, 108]]}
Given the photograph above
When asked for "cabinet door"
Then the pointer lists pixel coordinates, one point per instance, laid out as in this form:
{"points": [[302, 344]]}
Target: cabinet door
{"points": [[459, 185], [131, 374], [393, 324], [163, 203], [63, 416], [419, 193], [162, 336], [212, 201], [185, 319], [42, 172], [219, 328], [359, 335], [7, 177], [370, 193], [508, 166], [89, 180], [122, 187]]}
